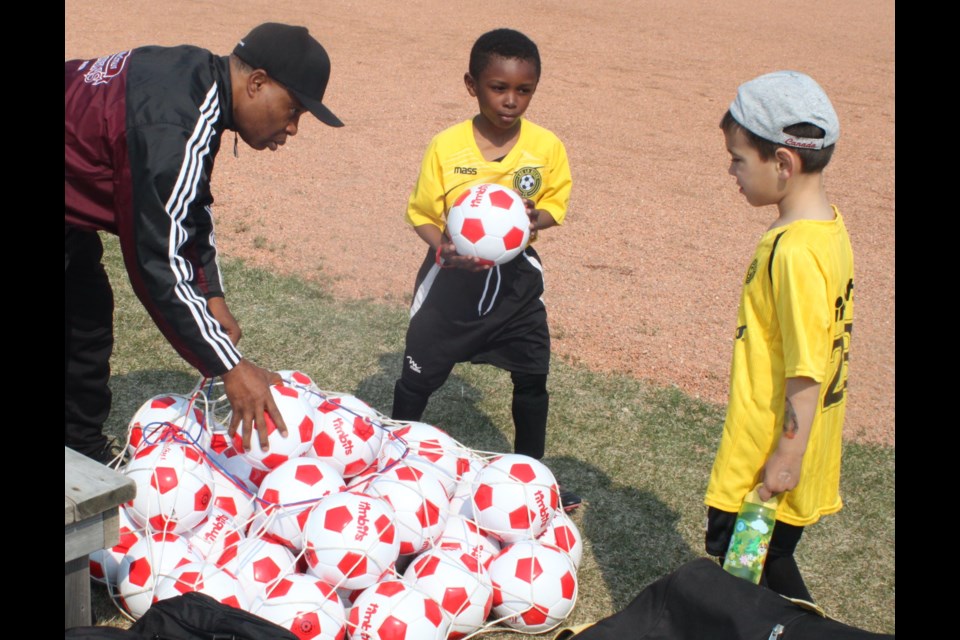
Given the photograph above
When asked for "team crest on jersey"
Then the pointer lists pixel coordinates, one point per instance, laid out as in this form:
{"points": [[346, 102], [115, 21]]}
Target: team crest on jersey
{"points": [[106, 68], [527, 181], [751, 271]]}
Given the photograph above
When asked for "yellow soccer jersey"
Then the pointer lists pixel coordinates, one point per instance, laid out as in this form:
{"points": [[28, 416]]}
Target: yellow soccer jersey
{"points": [[537, 167], [795, 320]]}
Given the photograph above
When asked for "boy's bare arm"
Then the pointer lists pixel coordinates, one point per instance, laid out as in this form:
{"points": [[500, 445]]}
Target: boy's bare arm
{"points": [[430, 234], [782, 470]]}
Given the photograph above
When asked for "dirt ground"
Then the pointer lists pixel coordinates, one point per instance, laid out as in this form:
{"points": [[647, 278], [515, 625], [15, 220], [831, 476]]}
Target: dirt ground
{"points": [[644, 277]]}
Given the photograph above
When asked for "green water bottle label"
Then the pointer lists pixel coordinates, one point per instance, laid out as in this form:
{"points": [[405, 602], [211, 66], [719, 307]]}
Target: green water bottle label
{"points": [[750, 541]]}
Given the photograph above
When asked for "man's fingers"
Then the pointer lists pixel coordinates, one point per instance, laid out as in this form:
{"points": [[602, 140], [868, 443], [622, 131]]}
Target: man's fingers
{"points": [[262, 428], [274, 413], [234, 423], [246, 427], [248, 390]]}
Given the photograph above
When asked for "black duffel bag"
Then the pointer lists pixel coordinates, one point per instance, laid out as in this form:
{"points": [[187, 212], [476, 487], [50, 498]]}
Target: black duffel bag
{"points": [[701, 601], [192, 616]]}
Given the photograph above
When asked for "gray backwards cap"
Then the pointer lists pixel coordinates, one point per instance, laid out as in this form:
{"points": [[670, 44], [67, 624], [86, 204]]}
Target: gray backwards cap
{"points": [[292, 57], [767, 105]]}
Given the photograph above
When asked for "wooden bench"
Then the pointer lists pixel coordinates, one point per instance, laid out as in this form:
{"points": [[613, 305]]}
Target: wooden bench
{"points": [[92, 494]]}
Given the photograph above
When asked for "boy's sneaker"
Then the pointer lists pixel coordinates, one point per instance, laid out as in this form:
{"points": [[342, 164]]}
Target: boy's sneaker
{"points": [[568, 499], [112, 451]]}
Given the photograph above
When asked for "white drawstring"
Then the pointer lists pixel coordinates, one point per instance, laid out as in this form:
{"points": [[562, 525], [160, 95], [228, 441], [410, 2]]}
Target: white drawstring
{"points": [[486, 287]]}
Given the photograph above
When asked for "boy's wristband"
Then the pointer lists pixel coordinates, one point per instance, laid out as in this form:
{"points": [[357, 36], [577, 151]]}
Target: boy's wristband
{"points": [[439, 258]]}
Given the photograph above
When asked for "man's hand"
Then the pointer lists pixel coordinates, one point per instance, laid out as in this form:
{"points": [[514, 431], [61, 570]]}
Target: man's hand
{"points": [[218, 307], [248, 391]]}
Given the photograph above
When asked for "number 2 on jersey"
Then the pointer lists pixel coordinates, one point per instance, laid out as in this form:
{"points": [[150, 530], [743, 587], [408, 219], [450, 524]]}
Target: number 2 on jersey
{"points": [[838, 382]]}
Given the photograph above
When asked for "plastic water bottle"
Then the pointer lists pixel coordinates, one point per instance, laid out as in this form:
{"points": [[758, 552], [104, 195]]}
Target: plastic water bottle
{"points": [[751, 536]]}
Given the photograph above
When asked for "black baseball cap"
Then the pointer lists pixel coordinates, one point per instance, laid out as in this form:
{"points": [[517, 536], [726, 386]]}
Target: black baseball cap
{"points": [[293, 58]]}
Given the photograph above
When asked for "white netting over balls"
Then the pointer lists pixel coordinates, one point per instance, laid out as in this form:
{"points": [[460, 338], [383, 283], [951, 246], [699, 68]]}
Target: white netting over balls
{"points": [[353, 522], [458, 582], [534, 586]]}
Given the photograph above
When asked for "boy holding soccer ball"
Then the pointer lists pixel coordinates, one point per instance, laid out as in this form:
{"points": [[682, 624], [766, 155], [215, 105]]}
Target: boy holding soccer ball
{"points": [[465, 309], [788, 378]]}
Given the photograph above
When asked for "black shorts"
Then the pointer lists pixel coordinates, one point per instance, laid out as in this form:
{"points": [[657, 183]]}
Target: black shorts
{"points": [[492, 317], [720, 525]]}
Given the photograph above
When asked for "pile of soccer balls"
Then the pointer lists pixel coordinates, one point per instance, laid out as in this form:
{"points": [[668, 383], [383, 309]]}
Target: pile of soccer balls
{"points": [[353, 525]]}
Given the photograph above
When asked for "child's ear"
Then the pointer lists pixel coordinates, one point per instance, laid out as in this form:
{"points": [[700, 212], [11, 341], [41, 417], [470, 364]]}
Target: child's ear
{"points": [[788, 162], [470, 83]]}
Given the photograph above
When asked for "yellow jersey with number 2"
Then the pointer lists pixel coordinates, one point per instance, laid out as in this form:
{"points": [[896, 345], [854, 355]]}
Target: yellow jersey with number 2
{"points": [[795, 320]]}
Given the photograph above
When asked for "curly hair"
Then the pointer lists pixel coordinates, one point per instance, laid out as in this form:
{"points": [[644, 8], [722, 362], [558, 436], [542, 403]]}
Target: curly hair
{"points": [[504, 43]]}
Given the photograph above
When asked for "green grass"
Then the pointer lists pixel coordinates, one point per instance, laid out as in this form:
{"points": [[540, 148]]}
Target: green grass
{"points": [[640, 455]]}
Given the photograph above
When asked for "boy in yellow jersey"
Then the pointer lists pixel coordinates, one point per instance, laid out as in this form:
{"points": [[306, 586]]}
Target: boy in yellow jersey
{"points": [[788, 378], [464, 310]]}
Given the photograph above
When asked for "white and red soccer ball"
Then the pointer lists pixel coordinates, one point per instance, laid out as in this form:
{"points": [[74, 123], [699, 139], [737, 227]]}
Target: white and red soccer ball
{"points": [[350, 540], [258, 563], [231, 494], [361, 480], [304, 383], [514, 497], [534, 586], [301, 420], [104, 563], [397, 610], [468, 467], [227, 457], [174, 487], [349, 435], [419, 501], [463, 534], [305, 605], [212, 537], [426, 447], [564, 534], [206, 578], [164, 417], [490, 222], [145, 563], [286, 496], [458, 582]]}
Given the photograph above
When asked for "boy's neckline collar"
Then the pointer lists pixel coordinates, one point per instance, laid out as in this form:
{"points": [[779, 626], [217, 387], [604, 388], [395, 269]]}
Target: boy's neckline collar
{"points": [[501, 157], [778, 224]]}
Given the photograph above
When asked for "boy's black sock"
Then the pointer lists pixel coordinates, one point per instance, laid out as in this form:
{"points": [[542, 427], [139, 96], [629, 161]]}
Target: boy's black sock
{"points": [[408, 404], [781, 574], [531, 402]]}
